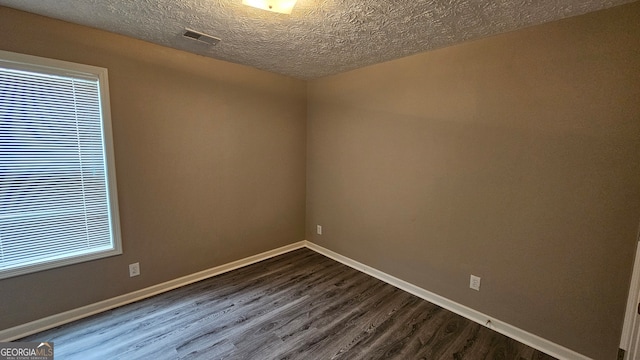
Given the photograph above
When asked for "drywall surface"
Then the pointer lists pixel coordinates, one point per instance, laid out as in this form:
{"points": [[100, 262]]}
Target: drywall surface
{"points": [[210, 163], [319, 37], [514, 158]]}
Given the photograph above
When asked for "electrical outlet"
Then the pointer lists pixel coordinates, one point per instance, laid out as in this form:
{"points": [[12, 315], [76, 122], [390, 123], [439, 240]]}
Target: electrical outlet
{"points": [[134, 269], [319, 229], [474, 283]]}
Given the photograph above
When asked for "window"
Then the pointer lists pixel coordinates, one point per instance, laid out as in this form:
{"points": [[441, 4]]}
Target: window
{"points": [[58, 201]]}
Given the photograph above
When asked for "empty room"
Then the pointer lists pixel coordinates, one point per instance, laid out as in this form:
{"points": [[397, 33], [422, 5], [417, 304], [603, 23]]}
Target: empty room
{"points": [[320, 179]]}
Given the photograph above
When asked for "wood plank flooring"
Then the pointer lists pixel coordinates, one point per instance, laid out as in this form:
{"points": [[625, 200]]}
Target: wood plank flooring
{"points": [[300, 305]]}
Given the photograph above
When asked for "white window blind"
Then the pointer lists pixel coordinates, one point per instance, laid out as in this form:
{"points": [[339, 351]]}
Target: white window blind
{"points": [[57, 186]]}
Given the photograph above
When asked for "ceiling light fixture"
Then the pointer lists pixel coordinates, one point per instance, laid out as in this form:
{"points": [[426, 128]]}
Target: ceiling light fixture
{"points": [[279, 6]]}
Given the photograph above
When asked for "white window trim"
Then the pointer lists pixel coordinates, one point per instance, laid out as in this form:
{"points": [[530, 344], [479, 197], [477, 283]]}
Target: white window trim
{"points": [[65, 68]]}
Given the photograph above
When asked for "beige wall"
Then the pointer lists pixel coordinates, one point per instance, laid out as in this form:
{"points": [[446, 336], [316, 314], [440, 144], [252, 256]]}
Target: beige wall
{"points": [[210, 162], [515, 158]]}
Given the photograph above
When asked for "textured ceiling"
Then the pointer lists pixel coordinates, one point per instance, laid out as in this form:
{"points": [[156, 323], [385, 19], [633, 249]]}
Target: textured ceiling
{"points": [[320, 37]]}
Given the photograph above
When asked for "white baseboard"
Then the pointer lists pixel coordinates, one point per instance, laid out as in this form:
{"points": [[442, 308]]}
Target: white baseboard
{"points": [[52, 321], [513, 332]]}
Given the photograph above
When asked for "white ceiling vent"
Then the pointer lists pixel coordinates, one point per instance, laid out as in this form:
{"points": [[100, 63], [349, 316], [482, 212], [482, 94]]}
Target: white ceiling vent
{"points": [[198, 36]]}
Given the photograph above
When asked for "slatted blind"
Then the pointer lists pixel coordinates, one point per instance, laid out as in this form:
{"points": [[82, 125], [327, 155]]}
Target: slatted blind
{"points": [[54, 193]]}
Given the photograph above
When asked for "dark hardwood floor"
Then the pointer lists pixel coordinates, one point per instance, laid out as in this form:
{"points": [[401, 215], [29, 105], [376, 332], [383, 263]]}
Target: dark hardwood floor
{"points": [[300, 305]]}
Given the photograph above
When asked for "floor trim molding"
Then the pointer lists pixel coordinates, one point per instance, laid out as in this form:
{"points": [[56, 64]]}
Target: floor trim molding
{"points": [[52, 321], [511, 331]]}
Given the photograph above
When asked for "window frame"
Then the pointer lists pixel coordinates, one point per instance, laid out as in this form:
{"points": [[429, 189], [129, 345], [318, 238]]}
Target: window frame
{"points": [[24, 62]]}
